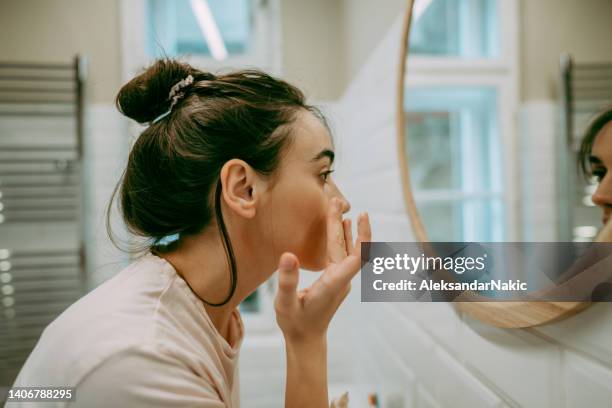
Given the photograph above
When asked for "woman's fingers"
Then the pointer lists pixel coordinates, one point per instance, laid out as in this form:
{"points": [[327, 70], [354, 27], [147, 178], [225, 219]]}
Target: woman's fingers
{"points": [[348, 235], [364, 233], [351, 265], [336, 248], [288, 279], [364, 230]]}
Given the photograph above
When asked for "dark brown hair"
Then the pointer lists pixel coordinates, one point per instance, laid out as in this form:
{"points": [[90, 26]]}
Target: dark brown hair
{"points": [[595, 126], [175, 163]]}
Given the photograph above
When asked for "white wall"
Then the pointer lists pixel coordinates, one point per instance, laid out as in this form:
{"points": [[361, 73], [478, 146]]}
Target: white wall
{"points": [[549, 27], [365, 23], [312, 47], [55, 30]]}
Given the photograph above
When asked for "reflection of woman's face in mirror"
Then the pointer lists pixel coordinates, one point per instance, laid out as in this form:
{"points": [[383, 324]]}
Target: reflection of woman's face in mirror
{"points": [[601, 161]]}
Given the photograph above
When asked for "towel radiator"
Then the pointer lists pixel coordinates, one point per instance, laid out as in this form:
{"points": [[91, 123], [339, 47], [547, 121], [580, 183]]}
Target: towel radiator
{"points": [[41, 229]]}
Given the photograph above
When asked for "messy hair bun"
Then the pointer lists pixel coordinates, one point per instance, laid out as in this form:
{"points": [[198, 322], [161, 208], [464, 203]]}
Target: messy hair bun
{"points": [[171, 183], [146, 96]]}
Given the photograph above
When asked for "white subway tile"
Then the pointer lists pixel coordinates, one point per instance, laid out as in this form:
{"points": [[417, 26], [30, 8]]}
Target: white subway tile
{"points": [[587, 383], [378, 192], [424, 399], [589, 331], [408, 343], [390, 228], [457, 387], [439, 319], [522, 365]]}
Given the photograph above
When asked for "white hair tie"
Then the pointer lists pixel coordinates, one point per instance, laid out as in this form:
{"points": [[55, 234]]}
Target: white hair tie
{"points": [[175, 94]]}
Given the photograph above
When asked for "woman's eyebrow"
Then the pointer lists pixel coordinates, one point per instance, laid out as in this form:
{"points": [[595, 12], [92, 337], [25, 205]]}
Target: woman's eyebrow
{"points": [[594, 159], [324, 153]]}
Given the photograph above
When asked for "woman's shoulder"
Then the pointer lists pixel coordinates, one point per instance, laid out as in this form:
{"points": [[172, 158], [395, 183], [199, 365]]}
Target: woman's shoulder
{"points": [[148, 375], [118, 314], [122, 304], [143, 317]]}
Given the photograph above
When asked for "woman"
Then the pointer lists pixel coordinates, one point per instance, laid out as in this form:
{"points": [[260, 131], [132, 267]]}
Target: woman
{"points": [[595, 158], [238, 167]]}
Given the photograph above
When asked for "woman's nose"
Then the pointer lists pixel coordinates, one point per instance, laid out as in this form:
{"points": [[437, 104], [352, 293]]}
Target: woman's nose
{"points": [[346, 206], [603, 195]]}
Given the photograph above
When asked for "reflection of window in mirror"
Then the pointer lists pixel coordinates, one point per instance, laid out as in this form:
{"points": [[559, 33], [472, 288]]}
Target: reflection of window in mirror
{"points": [[455, 154], [460, 28], [460, 93]]}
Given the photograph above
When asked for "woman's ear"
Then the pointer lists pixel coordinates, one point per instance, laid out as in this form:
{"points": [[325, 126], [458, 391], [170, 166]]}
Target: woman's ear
{"points": [[239, 187]]}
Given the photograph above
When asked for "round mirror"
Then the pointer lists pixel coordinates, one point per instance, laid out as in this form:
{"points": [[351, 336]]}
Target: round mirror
{"points": [[492, 113]]}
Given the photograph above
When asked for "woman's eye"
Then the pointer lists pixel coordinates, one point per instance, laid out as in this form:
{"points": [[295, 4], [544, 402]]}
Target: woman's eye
{"points": [[599, 174], [326, 174]]}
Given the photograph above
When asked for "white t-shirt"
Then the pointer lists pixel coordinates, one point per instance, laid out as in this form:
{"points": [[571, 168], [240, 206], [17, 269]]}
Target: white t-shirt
{"points": [[140, 339]]}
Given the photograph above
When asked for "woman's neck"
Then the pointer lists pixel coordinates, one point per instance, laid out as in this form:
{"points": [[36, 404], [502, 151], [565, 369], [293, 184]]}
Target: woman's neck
{"points": [[202, 262]]}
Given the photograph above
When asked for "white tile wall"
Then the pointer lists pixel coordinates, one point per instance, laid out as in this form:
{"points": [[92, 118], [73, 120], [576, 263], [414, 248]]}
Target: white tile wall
{"points": [[105, 153], [588, 332], [537, 171], [439, 320], [587, 383], [451, 359], [457, 387], [522, 366], [424, 399], [262, 371]]}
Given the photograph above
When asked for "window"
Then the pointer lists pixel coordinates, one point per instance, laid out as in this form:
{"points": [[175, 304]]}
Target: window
{"points": [[211, 34], [460, 98], [251, 303], [179, 27]]}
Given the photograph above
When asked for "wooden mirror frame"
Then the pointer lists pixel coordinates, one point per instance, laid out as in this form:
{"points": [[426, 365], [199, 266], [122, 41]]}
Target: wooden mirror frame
{"points": [[501, 314]]}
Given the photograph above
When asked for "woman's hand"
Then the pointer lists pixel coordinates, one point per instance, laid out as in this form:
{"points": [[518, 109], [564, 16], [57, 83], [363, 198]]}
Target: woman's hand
{"points": [[305, 315], [605, 234]]}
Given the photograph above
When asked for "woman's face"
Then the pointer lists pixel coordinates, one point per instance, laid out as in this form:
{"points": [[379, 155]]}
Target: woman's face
{"points": [[601, 162], [296, 207]]}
